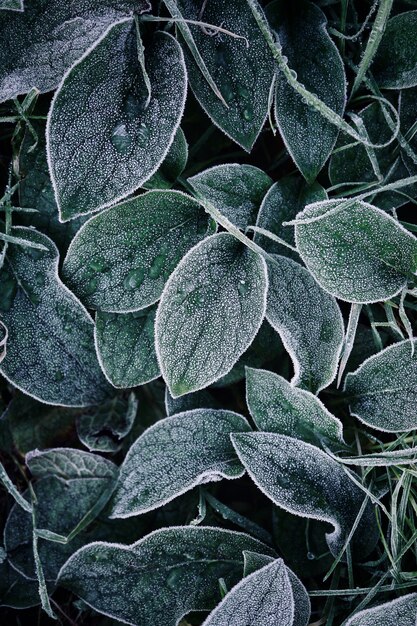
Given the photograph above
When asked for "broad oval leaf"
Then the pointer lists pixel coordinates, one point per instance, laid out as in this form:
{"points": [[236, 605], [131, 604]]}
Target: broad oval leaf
{"points": [[355, 251], [382, 392], [235, 190], [184, 564], [264, 597], [305, 481], [174, 455], [50, 349], [149, 236], [395, 63], [308, 321], [241, 68], [41, 43], [398, 612], [125, 344], [210, 311], [278, 407], [313, 56], [102, 155], [283, 201]]}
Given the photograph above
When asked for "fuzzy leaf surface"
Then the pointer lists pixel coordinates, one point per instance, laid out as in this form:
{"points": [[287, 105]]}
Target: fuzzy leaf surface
{"points": [[382, 392], [356, 252], [211, 309], [149, 234], [308, 321], [104, 140], [399, 612], [305, 481], [395, 63], [174, 455], [50, 351], [172, 560]]}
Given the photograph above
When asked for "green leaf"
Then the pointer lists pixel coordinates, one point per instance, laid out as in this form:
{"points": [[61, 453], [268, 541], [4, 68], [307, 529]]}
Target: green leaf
{"points": [[235, 190], [184, 564], [70, 464], [355, 251], [398, 42], [42, 42], [309, 323], [264, 597], [172, 166], [305, 481], [241, 68], [211, 309], [50, 350], [283, 201], [312, 55], [16, 591], [11, 5], [399, 612], [382, 392], [173, 456], [104, 427], [125, 347], [103, 155], [149, 236], [278, 407]]}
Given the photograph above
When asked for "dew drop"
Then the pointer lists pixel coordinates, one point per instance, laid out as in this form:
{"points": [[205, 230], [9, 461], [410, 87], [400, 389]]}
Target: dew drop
{"points": [[157, 266], [120, 138], [243, 287], [98, 265], [248, 114], [134, 278], [174, 578], [91, 286], [59, 376], [143, 134]]}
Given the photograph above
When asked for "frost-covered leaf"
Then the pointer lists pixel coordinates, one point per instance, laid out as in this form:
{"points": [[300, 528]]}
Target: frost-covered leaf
{"points": [[36, 192], [125, 344], [201, 399], [16, 591], [11, 5], [42, 42], [241, 68], [103, 427], [149, 236], [398, 612], [184, 564], [117, 142], [308, 320], [283, 201], [278, 407], [382, 392], [264, 597], [308, 136], [305, 481], [236, 190], [50, 350], [395, 63], [211, 309], [174, 455], [355, 251], [74, 489], [172, 166]]}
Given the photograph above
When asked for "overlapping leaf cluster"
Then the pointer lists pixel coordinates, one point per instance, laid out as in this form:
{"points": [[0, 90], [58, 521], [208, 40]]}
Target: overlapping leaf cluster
{"points": [[208, 373]]}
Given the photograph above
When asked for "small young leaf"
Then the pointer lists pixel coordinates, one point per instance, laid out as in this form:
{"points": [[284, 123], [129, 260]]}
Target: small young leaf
{"points": [[355, 251], [125, 344], [308, 320], [174, 455], [264, 597], [313, 56], [398, 43], [100, 156], [305, 481], [172, 166], [382, 392], [42, 42], [278, 407], [184, 564], [150, 234], [103, 427], [236, 190], [399, 612], [283, 201], [241, 68], [210, 311], [50, 349]]}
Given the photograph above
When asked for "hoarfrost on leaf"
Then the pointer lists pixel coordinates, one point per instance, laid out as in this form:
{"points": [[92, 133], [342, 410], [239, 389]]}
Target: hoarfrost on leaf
{"points": [[399, 612]]}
